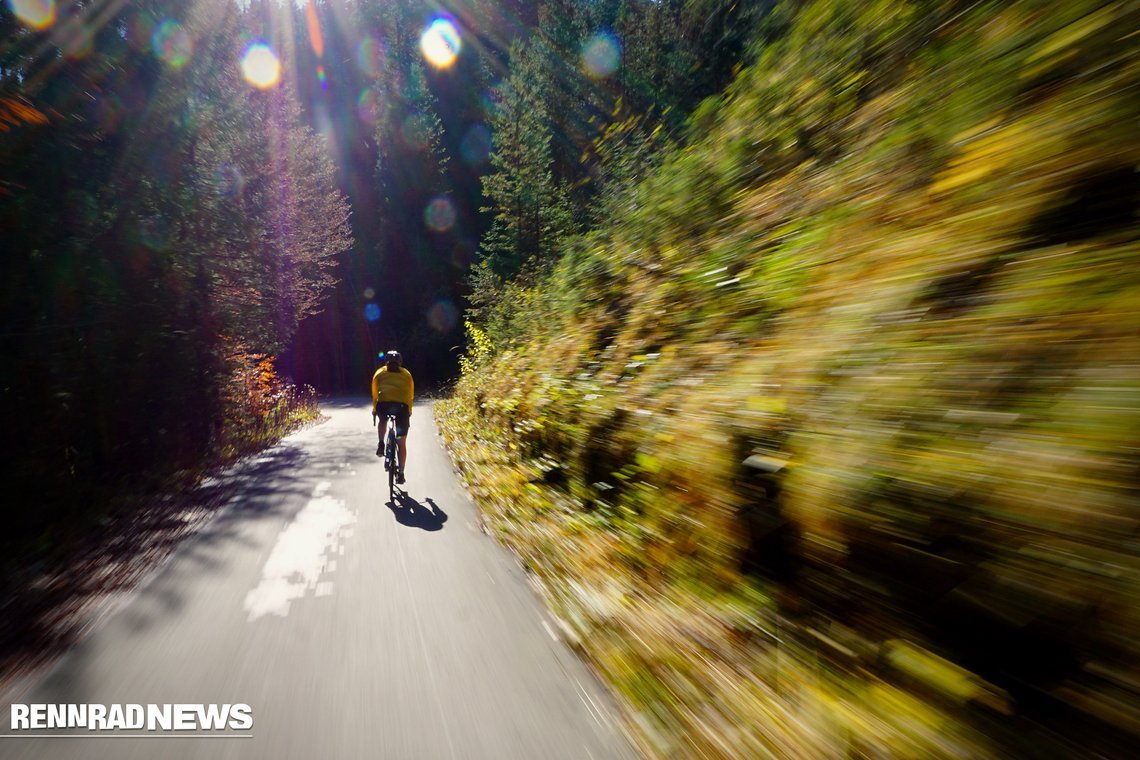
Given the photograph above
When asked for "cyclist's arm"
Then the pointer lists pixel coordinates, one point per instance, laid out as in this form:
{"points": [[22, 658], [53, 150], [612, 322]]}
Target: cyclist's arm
{"points": [[411, 392]]}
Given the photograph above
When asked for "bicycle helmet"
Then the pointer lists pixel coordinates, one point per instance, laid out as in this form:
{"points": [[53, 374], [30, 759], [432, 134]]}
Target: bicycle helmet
{"points": [[393, 356]]}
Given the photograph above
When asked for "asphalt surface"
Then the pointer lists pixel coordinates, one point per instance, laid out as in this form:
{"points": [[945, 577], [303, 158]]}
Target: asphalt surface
{"points": [[352, 626]]}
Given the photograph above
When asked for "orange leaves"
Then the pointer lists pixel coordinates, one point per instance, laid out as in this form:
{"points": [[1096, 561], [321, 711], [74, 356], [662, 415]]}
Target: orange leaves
{"points": [[15, 111], [261, 386], [260, 405]]}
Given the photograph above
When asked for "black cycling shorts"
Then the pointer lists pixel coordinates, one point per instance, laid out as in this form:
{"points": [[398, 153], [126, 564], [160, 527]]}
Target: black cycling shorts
{"points": [[402, 412]]}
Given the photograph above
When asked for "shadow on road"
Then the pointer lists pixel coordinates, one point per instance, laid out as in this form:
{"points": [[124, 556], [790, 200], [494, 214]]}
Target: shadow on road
{"points": [[45, 611], [413, 514]]}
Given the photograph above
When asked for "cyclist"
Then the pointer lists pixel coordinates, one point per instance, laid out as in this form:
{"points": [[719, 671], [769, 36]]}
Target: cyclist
{"points": [[392, 393]]}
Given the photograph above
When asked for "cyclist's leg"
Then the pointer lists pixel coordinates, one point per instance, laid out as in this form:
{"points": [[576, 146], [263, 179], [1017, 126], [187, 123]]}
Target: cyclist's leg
{"points": [[381, 429]]}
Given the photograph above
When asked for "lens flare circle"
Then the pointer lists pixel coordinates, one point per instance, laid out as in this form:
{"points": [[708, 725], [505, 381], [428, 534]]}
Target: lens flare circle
{"points": [[172, 44], [37, 14], [443, 316], [601, 55], [368, 106], [228, 180], [369, 54], [140, 31], [74, 39], [440, 214], [260, 66], [371, 312], [476, 145], [440, 43], [369, 293]]}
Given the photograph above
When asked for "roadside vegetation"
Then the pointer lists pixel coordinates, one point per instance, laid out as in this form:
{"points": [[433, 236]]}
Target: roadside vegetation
{"points": [[820, 436]]}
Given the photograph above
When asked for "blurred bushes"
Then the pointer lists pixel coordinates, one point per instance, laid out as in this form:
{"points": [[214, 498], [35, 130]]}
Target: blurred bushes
{"points": [[260, 407], [896, 263]]}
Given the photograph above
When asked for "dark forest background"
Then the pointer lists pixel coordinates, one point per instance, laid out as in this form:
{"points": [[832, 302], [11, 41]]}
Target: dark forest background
{"points": [[407, 132], [185, 254]]}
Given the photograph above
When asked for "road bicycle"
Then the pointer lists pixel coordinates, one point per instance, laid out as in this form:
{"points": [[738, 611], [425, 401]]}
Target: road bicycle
{"points": [[391, 456]]}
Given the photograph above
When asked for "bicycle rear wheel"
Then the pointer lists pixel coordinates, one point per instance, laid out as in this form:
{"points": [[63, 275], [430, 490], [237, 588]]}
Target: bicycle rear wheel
{"points": [[390, 459]]}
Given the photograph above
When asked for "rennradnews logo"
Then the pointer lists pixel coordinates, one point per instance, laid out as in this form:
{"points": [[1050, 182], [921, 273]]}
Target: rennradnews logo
{"points": [[132, 717]]}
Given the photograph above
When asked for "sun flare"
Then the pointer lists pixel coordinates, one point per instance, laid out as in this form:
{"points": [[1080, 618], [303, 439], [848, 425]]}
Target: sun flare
{"points": [[440, 43], [260, 66]]}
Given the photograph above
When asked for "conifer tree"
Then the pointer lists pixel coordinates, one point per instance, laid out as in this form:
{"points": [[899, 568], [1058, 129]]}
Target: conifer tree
{"points": [[529, 206]]}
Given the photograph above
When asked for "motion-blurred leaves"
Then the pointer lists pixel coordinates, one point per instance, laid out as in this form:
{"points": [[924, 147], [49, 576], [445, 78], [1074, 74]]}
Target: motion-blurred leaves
{"points": [[898, 256]]}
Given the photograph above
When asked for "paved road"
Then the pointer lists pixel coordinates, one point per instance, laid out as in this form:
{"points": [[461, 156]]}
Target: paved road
{"points": [[351, 626]]}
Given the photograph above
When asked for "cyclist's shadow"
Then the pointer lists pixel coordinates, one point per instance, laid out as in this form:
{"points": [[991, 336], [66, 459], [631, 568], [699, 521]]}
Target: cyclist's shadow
{"points": [[412, 513]]}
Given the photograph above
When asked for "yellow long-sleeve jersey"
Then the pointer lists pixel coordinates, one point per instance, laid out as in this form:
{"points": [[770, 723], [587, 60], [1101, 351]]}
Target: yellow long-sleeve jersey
{"points": [[393, 386]]}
